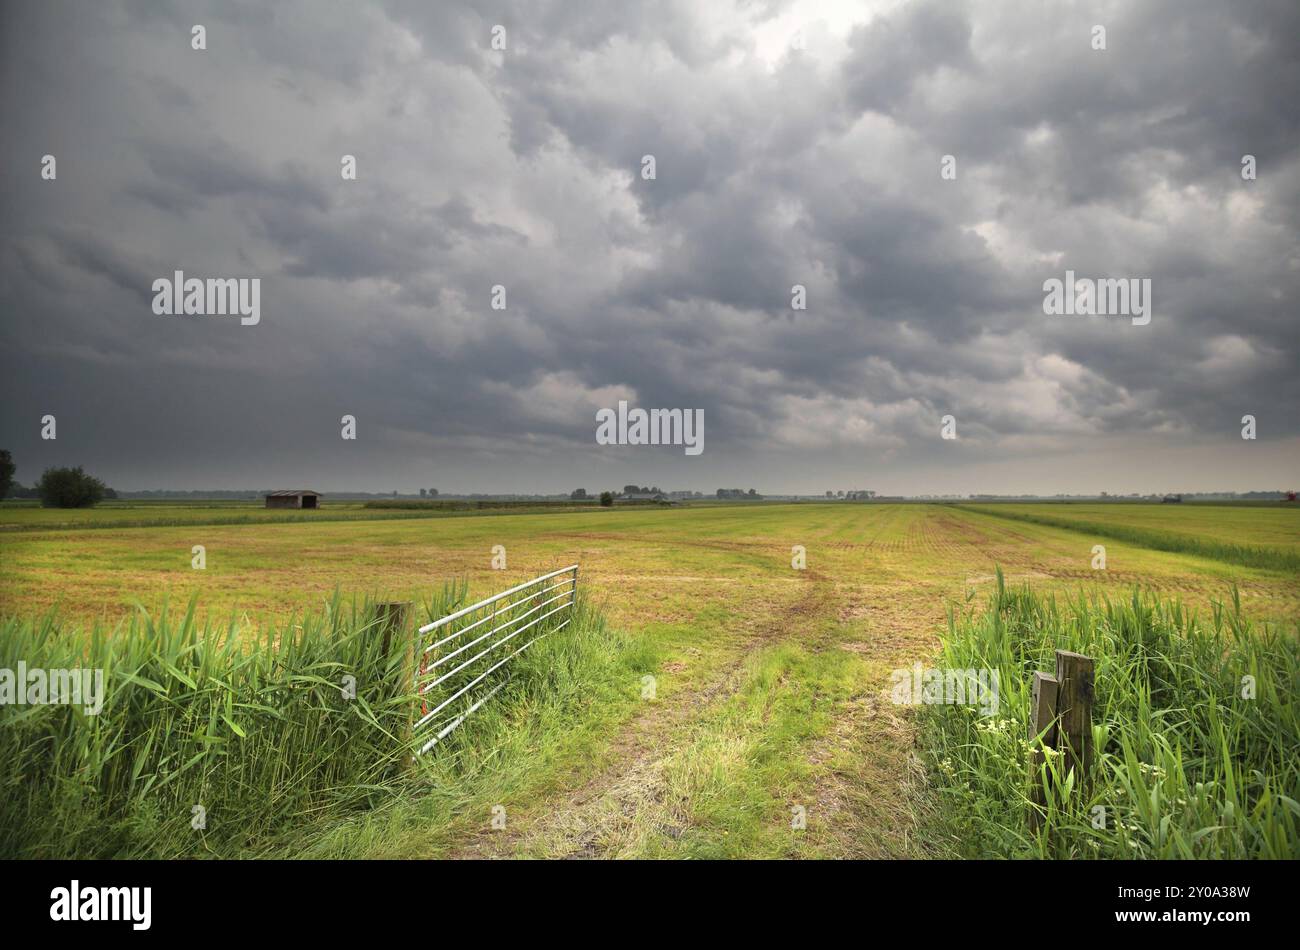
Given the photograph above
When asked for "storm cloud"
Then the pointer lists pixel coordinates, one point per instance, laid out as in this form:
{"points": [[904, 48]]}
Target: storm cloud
{"points": [[794, 144]]}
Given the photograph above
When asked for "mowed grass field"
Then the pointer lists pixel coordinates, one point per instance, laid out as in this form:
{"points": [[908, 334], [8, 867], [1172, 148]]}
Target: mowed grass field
{"points": [[28, 516], [768, 680], [1270, 526]]}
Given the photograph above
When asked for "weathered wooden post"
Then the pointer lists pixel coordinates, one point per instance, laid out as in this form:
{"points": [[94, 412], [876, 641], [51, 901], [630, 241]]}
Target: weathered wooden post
{"points": [[1042, 722], [390, 618], [390, 624], [1074, 674]]}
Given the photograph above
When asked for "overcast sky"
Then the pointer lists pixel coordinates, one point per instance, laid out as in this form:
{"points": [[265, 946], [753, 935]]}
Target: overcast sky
{"points": [[794, 143]]}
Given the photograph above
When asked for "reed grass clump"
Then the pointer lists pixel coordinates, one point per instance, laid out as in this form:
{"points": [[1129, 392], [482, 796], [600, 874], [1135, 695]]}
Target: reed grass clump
{"points": [[1196, 732], [214, 740]]}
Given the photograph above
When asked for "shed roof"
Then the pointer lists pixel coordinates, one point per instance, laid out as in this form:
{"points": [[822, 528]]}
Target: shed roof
{"points": [[291, 493]]}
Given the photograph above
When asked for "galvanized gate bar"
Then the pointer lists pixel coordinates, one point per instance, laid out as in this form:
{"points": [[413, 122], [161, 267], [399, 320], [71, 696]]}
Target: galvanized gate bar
{"points": [[500, 618], [484, 653], [466, 629], [505, 593], [492, 616]]}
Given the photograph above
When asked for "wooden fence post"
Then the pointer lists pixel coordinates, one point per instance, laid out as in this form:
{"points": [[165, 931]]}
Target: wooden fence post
{"points": [[390, 623], [390, 617], [1042, 721], [1074, 673]]}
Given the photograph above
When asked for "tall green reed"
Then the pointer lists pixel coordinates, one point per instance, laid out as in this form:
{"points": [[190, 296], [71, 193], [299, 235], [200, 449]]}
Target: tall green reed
{"points": [[1196, 731], [217, 740]]}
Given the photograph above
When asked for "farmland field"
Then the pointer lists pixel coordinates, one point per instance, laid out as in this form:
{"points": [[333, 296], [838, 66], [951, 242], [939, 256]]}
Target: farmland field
{"points": [[768, 678], [148, 514], [1273, 526]]}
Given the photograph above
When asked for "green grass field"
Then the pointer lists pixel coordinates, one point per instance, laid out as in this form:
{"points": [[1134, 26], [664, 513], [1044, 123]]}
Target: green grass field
{"points": [[28, 516], [1267, 526], [772, 683], [1224, 533]]}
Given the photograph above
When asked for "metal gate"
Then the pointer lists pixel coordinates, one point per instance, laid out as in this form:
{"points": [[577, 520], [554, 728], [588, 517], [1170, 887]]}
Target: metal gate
{"points": [[456, 669]]}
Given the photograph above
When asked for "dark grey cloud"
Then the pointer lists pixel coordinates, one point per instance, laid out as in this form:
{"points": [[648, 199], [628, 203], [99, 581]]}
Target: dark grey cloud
{"points": [[775, 166], [895, 52]]}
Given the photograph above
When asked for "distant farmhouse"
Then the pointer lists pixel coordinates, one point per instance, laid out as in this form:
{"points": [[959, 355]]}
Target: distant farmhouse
{"points": [[293, 498]]}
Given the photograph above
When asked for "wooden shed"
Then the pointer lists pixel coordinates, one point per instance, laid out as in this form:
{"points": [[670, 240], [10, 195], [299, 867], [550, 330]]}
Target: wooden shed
{"points": [[293, 498]]}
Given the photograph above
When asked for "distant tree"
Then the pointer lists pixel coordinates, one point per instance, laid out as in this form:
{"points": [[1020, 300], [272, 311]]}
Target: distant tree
{"points": [[6, 473], [751, 493], [830, 494], [607, 499], [424, 493], [22, 491], [578, 494], [69, 488], [839, 494], [433, 493]]}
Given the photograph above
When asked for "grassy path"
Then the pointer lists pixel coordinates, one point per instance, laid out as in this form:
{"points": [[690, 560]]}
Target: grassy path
{"points": [[638, 797]]}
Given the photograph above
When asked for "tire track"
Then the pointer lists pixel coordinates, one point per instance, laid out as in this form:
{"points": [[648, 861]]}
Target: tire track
{"points": [[595, 818]]}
